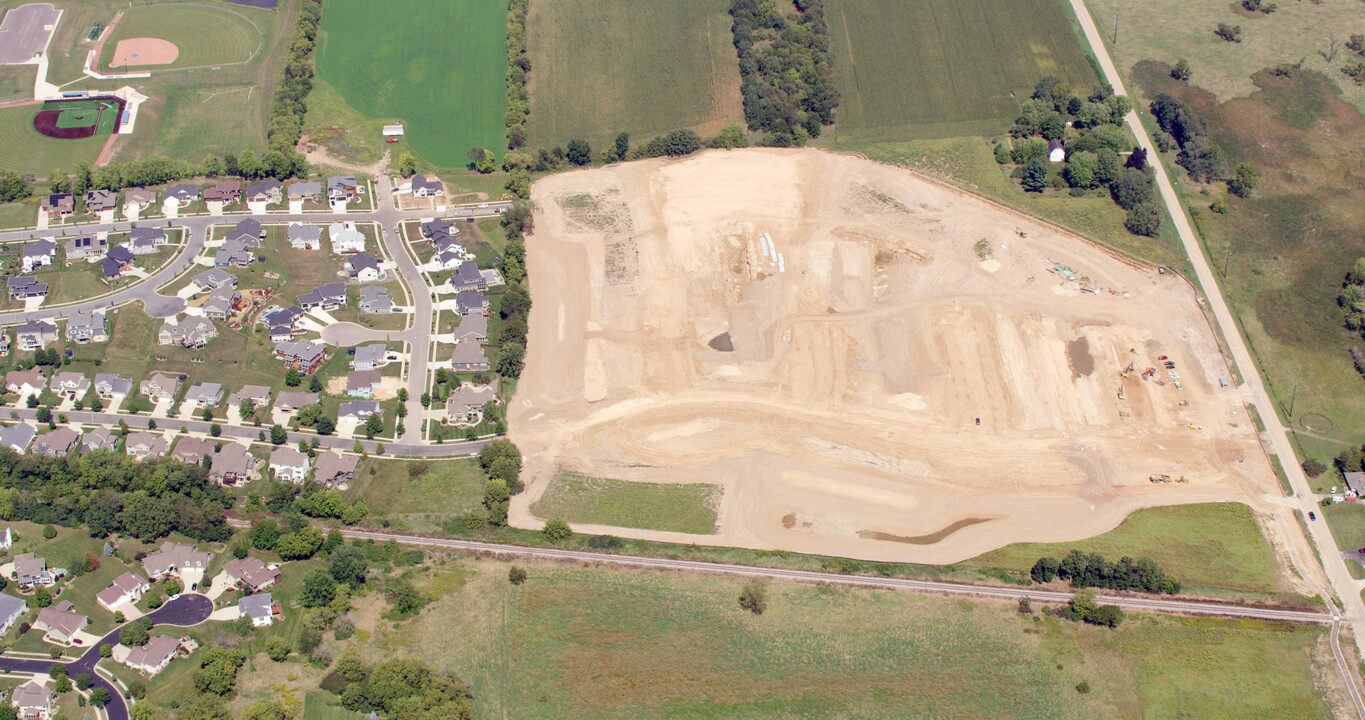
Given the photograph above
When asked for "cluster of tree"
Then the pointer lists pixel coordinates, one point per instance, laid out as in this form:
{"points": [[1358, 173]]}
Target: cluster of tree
{"points": [[400, 689], [516, 222], [290, 104], [134, 634], [1229, 33], [1351, 459], [501, 461], [787, 79], [113, 493], [518, 65], [319, 502], [315, 417], [514, 307], [1352, 297], [1083, 608], [13, 187], [1093, 570], [1354, 69], [1260, 6], [218, 668], [520, 164], [298, 541]]}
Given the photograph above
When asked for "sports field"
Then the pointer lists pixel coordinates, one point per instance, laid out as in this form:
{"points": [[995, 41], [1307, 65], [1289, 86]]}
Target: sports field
{"points": [[25, 150], [439, 67], [204, 36], [912, 69], [641, 68], [70, 119]]}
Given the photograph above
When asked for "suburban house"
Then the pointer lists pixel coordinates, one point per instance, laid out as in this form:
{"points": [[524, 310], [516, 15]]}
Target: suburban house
{"points": [[282, 322], [59, 205], [233, 465], [468, 277], [467, 401], [153, 657], [34, 334], [1056, 152], [4, 343], [98, 439], [375, 300], [57, 443], [304, 355], [305, 237], [306, 190], [183, 194], [439, 229], [173, 559], [108, 385], [61, 622], [289, 464], [234, 253], [126, 588], [22, 287], [100, 200], [342, 188], [362, 383], [345, 238], [71, 385], [449, 256], [471, 301], [213, 279], [205, 394], [250, 573], [269, 191], [328, 297], [192, 332], [138, 199], [32, 701], [6, 540], [468, 357], [25, 382], [118, 261], [145, 240], [357, 411], [260, 608], [192, 450], [421, 186], [369, 357], [160, 386], [259, 395], [83, 248], [86, 327], [224, 191], [31, 571], [363, 267], [473, 328], [333, 468], [11, 608], [38, 253], [289, 402], [17, 437], [222, 303], [144, 446]]}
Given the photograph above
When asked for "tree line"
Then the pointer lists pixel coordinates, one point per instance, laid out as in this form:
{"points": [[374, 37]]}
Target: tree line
{"points": [[518, 65], [1199, 155], [1093, 570], [289, 105], [786, 75]]}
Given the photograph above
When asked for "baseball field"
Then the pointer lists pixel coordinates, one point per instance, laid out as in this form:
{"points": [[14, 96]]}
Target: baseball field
{"points": [[202, 36], [641, 68], [23, 149], [439, 67], [912, 69]]}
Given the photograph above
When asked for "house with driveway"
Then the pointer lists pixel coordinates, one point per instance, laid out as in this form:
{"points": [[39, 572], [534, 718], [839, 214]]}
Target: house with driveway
{"points": [[472, 329], [362, 383], [357, 411], [259, 395], [247, 231], [466, 402], [135, 200], [174, 559], [342, 188], [60, 622], [183, 194], [145, 240], [34, 334], [205, 394], [305, 237], [32, 701], [192, 332], [23, 287], [116, 263], [160, 386], [289, 402], [70, 385], [250, 573], [468, 357], [328, 297], [38, 253], [26, 382], [306, 191], [468, 277], [369, 357], [375, 300], [145, 446], [345, 238], [471, 301], [214, 278], [303, 355], [152, 658], [261, 608], [86, 326], [224, 191], [17, 437], [32, 571], [97, 201], [222, 303], [363, 267], [268, 191], [421, 186], [59, 205], [84, 248], [108, 385], [126, 588]]}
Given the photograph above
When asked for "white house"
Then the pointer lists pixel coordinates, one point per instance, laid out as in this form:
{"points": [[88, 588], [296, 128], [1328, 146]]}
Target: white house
{"points": [[126, 588], [260, 608], [11, 609], [153, 657], [345, 238], [289, 464]]}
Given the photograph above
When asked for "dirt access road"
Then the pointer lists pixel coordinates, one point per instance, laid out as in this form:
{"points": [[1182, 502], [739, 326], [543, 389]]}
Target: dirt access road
{"points": [[899, 375]]}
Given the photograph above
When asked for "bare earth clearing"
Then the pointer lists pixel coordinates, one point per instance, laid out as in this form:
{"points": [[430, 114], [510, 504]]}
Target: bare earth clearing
{"points": [[845, 419]]}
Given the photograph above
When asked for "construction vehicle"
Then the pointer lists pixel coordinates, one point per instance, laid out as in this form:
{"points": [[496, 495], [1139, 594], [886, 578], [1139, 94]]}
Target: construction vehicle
{"points": [[1194, 426], [1121, 395], [1160, 478], [1127, 371], [1124, 413], [1181, 479]]}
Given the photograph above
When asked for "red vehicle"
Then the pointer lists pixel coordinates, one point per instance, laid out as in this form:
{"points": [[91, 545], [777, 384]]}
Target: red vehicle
{"points": [[1163, 357], [392, 139]]}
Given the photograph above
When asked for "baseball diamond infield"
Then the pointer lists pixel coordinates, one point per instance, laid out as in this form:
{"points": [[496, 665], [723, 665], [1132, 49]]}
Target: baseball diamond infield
{"points": [[66, 119], [869, 364], [144, 51]]}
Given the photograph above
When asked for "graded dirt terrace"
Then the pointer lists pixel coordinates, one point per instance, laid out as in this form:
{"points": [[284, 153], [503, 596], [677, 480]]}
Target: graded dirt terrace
{"points": [[880, 391]]}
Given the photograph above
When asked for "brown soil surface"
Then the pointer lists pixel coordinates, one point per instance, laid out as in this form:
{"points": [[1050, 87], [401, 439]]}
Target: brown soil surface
{"points": [[144, 51], [901, 397]]}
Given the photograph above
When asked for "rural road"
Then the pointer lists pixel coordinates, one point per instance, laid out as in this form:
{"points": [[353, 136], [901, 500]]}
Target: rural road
{"points": [[1347, 589], [184, 611]]}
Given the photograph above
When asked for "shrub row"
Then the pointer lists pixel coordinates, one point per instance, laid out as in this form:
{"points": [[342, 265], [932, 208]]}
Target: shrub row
{"points": [[518, 65], [289, 104]]}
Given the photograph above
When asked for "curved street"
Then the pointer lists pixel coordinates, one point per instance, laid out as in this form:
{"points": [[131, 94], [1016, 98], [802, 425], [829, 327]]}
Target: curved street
{"points": [[186, 610]]}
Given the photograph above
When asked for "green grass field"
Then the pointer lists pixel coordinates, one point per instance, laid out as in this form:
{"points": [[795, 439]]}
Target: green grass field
{"points": [[205, 35], [912, 69], [641, 68], [418, 496], [25, 150], [437, 66], [1214, 545], [86, 113], [652, 506]]}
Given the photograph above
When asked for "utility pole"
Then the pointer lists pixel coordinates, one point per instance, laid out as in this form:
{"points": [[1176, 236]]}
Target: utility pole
{"points": [[1294, 396], [1226, 259], [1116, 22]]}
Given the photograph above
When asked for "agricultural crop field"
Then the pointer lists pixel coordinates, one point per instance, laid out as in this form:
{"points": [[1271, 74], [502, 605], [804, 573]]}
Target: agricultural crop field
{"points": [[652, 506], [611, 66], [25, 150], [439, 67], [205, 36], [941, 68]]}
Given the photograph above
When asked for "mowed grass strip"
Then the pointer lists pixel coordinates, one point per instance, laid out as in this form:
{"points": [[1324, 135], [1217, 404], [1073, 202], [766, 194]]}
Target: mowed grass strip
{"points": [[440, 67], [1209, 545], [25, 150], [912, 69], [649, 506], [601, 67], [204, 35]]}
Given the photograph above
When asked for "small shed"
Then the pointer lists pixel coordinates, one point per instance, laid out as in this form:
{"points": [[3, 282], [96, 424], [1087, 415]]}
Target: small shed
{"points": [[1055, 151], [395, 130]]}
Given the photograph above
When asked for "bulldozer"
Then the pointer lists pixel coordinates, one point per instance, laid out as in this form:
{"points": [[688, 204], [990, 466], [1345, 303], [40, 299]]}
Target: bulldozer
{"points": [[1160, 478]]}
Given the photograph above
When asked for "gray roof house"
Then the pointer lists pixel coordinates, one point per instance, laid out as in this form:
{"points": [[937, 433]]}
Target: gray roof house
{"points": [[152, 658], [30, 570], [192, 332], [468, 277], [357, 411], [334, 469], [60, 622], [10, 609], [233, 465], [375, 300], [33, 701], [305, 237], [369, 357], [183, 193], [328, 297], [34, 334], [70, 384], [234, 253], [205, 394], [81, 248], [423, 187], [141, 197], [214, 278], [220, 303], [342, 187], [258, 394], [144, 446], [38, 253], [86, 327], [345, 238], [17, 437], [363, 267], [192, 450], [98, 439], [289, 402], [473, 328], [160, 386], [99, 200], [248, 230], [260, 608], [57, 443], [306, 190], [471, 301], [173, 558], [24, 286], [109, 385], [145, 240], [270, 191], [468, 357], [289, 464]]}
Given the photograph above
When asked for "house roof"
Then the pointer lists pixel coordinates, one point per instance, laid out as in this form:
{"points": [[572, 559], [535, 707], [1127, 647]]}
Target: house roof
{"points": [[39, 248], [288, 457], [174, 555], [371, 354], [57, 442], [62, 618], [33, 377], [233, 459], [305, 187], [115, 383], [357, 379], [468, 353], [295, 399], [29, 565], [359, 408], [372, 295], [468, 276], [139, 195], [361, 261], [256, 606], [158, 650], [331, 465], [214, 277], [10, 606], [32, 695], [192, 449], [310, 233], [246, 226], [69, 378], [205, 392], [120, 254], [17, 436], [251, 571], [183, 191], [470, 396], [98, 439], [421, 181], [258, 394]]}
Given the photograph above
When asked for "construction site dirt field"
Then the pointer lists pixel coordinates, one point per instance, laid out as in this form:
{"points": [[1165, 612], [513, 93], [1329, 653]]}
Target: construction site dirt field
{"points": [[870, 364]]}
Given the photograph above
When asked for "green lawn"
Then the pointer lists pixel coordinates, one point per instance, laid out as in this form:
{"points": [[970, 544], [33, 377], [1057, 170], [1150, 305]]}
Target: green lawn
{"points": [[205, 35], [640, 68], [652, 506], [326, 706], [25, 150], [439, 67], [1214, 545], [1347, 521], [16, 82], [418, 496], [909, 69]]}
